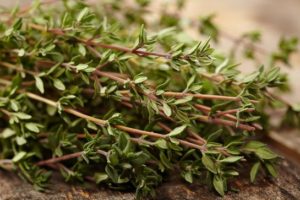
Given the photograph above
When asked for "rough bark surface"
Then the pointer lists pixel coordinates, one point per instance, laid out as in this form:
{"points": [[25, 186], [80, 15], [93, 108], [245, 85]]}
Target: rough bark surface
{"points": [[285, 187]]}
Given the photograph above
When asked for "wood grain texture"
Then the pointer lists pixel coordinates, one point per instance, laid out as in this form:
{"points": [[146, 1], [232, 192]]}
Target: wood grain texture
{"points": [[285, 187]]}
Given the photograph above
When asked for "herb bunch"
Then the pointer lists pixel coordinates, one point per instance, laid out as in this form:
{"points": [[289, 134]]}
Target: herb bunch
{"points": [[94, 95]]}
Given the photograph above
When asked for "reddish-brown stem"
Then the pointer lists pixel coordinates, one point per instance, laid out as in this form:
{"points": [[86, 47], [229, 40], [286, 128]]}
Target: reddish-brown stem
{"points": [[205, 96], [168, 129], [194, 141], [224, 122], [198, 95], [163, 126], [220, 113], [110, 76], [196, 136], [59, 159], [105, 46], [127, 50], [104, 122], [156, 135], [11, 66], [207, 109]]}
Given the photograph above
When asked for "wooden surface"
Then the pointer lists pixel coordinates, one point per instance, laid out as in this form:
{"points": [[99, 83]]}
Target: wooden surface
{"points": [[285, 187]]}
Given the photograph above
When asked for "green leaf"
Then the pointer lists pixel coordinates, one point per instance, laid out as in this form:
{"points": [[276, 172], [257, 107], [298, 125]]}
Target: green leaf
{"points": [[218, 185], [142, 38], [33, 127], [39, 84], [177, 131], [51, 110], [21, 52], [14, 105], [21, 140], [165, 161], [183, 100], [6, 133], [167, 110], [19, 156], [188, 177], [161, 143], [251, 119], [231, 173], [222, 66], [254, 171], [190, 82], [273, 74], [58, 84], [21, 115], [209, 164], [253, 145], [271, 169], [81, 67], [140, 79], [81, 49], [110, 130], [231, 159], [82, 13], [99, 177], [113, 158], [194, 48], [112, 173], [8, 32], [85, 78], [265, 153]]}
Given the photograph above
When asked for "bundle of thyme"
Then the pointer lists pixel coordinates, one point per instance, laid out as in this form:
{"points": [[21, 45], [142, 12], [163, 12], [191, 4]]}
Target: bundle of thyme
{"points": [[90, 93]]}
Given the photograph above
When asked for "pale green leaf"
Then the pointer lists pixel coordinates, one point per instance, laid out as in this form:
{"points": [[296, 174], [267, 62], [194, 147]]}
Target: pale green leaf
{"points": [[218, 185], [19, 156], [6, 133], [21, 140], [33, 127], [231, 159], [140, 79], [167, 110], [177, 131], [99, 177], [58, 84], [39, 84]]}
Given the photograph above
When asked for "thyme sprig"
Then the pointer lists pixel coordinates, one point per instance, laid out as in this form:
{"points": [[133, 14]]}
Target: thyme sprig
{"points": [[99, 98]]}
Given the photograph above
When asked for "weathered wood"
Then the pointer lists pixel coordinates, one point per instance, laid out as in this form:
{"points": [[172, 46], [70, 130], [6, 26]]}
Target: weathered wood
{"points": [[285, 187]]}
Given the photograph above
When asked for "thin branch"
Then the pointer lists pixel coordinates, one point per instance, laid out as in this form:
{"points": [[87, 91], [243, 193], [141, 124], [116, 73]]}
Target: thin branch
{"points": [[224, 122], [13, 67], [102, 45], [104, 122], [205, 96], [59, 159]]}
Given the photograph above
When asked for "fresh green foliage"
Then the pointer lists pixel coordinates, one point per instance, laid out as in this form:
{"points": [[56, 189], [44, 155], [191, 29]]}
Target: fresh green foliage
{"points": [[99, 94], [285, 48], [207, 27]]}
